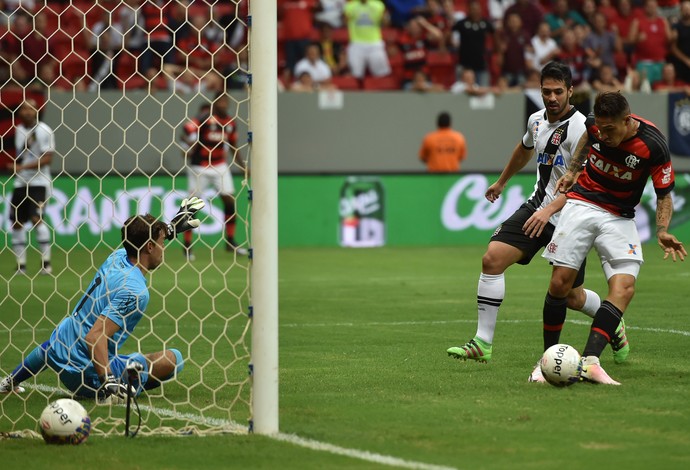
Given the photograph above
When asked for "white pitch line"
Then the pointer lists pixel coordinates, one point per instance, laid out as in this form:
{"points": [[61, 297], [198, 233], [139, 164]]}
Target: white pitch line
{"points": [[447, 322], [289, 438], [357, 454]]}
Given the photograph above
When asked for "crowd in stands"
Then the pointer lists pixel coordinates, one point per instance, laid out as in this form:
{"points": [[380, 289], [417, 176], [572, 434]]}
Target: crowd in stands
{"points": [[430, 45], [183, 45], [416, 45]]}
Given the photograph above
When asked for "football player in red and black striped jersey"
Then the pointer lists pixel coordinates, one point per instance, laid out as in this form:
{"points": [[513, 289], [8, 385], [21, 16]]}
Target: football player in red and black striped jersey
{"points": [[620, 151], [210, 142]]}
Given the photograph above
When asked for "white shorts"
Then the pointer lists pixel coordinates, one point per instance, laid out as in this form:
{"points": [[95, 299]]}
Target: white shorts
{"points": [[582, 226], [360, 56], [213, 176]]}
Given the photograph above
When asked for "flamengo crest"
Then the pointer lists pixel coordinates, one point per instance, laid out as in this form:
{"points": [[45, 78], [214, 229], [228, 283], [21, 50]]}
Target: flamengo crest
{"points": [[631, 161]]}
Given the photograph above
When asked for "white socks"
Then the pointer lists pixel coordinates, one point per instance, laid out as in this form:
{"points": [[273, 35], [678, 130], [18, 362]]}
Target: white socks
{"points": [[592, 303], [490, 293]]}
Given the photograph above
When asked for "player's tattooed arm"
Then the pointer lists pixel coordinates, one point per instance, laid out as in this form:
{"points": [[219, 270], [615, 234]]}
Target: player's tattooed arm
{"points": [[664, 211], [670, 244], [580, 155]]}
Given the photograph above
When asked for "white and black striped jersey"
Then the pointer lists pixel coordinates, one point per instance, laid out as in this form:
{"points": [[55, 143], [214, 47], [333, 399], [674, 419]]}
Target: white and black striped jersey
{"points": [[30, 145], [554, 144]]}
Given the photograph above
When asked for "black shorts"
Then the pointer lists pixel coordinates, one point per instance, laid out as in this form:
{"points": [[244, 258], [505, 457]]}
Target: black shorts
{"points": [[510, 232], [27, 202]]}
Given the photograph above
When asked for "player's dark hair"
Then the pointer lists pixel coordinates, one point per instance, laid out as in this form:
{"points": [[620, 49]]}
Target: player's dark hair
{"points": [[443, 119], [557, 71], [139, 230], [611, 104]]}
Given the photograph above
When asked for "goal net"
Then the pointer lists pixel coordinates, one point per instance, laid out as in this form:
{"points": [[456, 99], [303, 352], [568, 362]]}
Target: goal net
{"points": [[117, 81]]}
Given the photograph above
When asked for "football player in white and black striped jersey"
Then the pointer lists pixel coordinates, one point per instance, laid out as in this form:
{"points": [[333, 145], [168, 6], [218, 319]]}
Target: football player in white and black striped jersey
{"points": [[35, 145]]}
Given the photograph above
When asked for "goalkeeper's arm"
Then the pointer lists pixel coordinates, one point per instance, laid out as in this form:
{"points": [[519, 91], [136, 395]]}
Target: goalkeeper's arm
{"points": [[184, 219]]}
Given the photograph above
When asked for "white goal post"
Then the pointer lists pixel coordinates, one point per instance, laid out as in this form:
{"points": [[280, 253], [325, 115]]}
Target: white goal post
{"points": [[264, 233]]}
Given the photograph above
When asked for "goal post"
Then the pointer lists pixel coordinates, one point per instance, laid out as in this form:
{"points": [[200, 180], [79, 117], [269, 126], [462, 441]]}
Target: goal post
{"points": [[264, 233]]}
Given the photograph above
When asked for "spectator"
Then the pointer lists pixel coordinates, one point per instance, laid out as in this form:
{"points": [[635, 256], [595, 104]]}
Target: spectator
{"points": [[160, 40], [421, 83], [105, 41], [468, 85], [651, 34], [562, 18], [600, 46], [511, 47], [26, 50], [680, 43], [621, 26], [197, 72], [530, 12], [605, 80], [474, 30], [304, 84], [331, 51], [133, 29], [419, 37], [366, 49], [444, 149], [441, 13], [296, 18], [608, 10], [588, 10], [575, 57], [330, 12], [313, 65], [669, 82], [544, 47]]}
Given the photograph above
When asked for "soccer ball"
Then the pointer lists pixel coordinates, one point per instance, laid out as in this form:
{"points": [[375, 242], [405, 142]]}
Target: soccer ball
{"points": [[65, 421], [560, 365]]}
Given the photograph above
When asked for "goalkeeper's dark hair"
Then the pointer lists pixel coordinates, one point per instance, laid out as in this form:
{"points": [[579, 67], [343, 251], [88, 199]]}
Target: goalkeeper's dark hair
{"points": [[139, 230]]}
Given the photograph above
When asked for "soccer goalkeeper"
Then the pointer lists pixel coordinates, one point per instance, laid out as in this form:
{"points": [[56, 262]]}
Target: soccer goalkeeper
{"points": [[83, 348]]}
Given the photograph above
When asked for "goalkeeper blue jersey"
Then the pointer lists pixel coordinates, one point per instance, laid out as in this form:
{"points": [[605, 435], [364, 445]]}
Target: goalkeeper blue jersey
{"points": [[119, 292]]}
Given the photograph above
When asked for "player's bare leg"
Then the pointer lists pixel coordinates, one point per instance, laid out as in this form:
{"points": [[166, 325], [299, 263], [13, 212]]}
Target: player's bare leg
{"points": [[163, 365]]}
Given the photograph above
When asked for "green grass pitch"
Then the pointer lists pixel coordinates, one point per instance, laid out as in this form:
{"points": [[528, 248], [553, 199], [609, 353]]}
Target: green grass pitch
{"points": [[363, 335]]}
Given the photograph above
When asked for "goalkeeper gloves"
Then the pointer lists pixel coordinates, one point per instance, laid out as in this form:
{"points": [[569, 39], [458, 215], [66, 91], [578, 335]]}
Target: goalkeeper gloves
{"points": [[184, 219]]}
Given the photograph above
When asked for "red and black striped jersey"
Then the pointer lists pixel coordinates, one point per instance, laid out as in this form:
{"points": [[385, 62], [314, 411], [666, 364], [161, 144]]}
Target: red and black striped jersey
{"points": [[209, 137], [614, 177]]}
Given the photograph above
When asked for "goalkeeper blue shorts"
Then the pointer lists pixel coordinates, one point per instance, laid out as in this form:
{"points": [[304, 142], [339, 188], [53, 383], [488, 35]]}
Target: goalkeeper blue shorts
{"points": [[86, 383]]}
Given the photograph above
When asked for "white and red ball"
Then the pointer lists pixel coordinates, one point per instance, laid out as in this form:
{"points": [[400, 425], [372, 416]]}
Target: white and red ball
{"points": [[65, 421], [560, 365]]}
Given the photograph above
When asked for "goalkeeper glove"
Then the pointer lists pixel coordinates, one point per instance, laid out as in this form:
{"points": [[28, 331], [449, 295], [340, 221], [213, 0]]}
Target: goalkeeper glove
{"points": [[113, 390], [184, 219]]}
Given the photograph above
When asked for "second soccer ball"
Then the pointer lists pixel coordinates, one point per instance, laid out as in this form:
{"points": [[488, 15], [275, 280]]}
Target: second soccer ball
{"points": [[560, 365]]}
